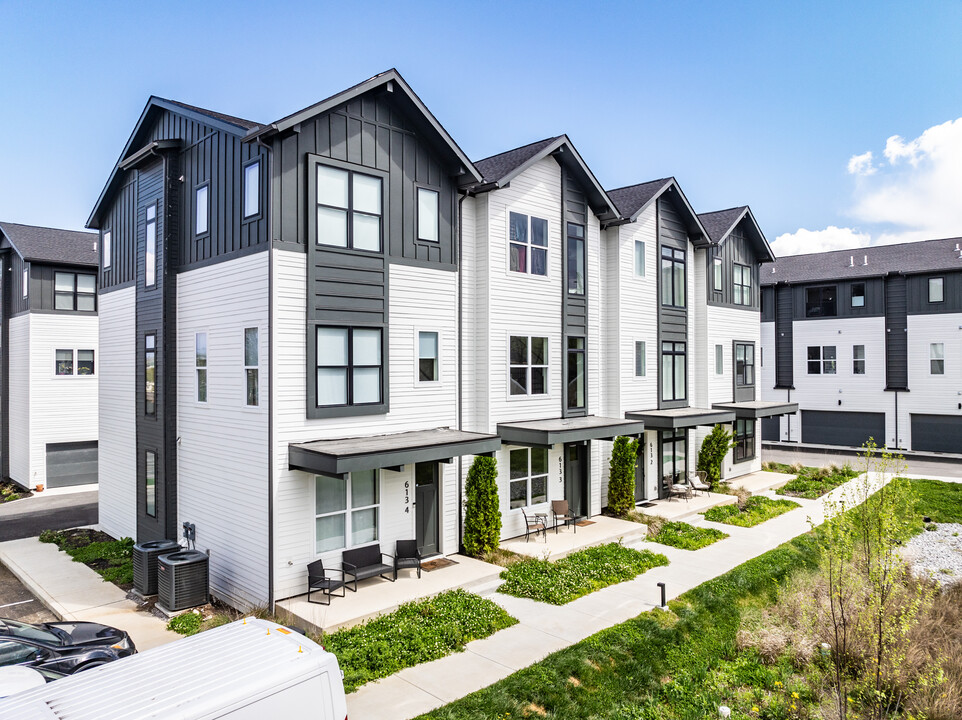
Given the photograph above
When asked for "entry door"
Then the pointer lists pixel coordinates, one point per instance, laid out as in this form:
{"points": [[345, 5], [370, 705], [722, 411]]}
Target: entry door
{"points": [[426, 507], [641, 493], [744, 372], [576, 478]]}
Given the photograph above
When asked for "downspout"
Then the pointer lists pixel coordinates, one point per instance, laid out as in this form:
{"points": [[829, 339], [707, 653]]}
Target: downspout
{"points": [[898, 443], [460, 372], [789, 439], [269, 157]]}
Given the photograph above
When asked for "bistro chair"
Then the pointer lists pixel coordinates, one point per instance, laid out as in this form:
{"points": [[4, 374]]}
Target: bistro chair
{"points": [[698, 481], [536, 524], [563, 515], [319, 580]]}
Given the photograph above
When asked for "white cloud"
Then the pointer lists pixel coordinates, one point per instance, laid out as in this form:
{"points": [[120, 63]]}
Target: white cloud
{"points": [[914, 196], [861, 164], [805, 241]]}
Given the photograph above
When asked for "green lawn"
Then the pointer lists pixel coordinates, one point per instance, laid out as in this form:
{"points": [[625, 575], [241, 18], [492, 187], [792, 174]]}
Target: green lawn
{"points": [[940, 501], [577, 574], [811, 482], [685, 536], [757, 510]]}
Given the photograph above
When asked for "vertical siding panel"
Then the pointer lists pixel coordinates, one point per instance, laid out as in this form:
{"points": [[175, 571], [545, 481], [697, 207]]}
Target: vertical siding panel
{"points": [[368, 144], [338, 137], [354, 141]]}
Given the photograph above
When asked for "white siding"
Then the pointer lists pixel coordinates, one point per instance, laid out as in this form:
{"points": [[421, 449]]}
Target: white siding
{"points": [[19, 406], [117, 447], [222, 454], [931, 394]]}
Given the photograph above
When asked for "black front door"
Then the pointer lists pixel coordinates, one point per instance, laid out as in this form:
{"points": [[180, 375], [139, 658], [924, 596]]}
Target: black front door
{"points": [[576, 477], [426, 507], [640, 493]]}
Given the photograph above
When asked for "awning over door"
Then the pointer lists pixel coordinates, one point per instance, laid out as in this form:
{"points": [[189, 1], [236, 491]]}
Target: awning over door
{"points": [[757, 409], [565, 430], [680, 418], [343, 455]]}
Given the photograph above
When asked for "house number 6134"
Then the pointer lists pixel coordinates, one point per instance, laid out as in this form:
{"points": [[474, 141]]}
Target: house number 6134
{"points": [[407, 496]]}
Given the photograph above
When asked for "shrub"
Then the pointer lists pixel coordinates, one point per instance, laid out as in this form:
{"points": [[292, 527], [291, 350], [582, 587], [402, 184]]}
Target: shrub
{"points": [[482, 517], [685, 536], [714, 448], [757, 510], [621, 478]]}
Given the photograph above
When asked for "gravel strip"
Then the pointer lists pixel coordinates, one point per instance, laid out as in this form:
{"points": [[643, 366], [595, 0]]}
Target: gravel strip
{"points": [[937, 553]]}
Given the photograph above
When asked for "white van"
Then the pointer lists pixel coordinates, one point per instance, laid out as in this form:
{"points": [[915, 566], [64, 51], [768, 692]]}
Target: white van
{"points": [[250, 669]]}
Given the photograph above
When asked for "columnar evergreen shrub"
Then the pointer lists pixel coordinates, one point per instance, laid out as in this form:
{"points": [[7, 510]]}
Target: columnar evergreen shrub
{"points": [[482, 516], [621, 477], [714, 448]]}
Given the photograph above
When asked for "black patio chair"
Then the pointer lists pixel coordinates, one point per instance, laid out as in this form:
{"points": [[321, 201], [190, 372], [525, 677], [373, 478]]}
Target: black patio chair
{"points": [[320, 580], [407, 555], [536, 524]]}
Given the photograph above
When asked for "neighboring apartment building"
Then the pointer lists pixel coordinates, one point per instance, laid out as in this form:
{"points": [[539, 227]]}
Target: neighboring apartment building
{"points": [[315, 324], [868, 342], [49, 359]]}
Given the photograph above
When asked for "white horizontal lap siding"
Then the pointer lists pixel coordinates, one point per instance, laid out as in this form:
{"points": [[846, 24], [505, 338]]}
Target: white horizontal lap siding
{"points": [[638, 313], [413, 406], [222, 463], [63, 408], [522, 304], [725, 326], [19, 405], [117, 447], [469, 301], [931, 394]]}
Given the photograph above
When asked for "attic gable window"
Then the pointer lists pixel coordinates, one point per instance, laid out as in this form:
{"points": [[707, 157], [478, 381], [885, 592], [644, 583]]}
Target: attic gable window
{"points": [[106, 249], [202, 209], [75, 291], [528, 241], [252, 188], [348, 209], [428, 215]]}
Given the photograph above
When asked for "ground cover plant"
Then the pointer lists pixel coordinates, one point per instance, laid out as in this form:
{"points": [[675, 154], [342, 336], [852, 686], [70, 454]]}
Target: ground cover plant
{"points": [[939, 501], [577, 574], [111, 559], [757, 509], [811, 482], [10, 492], [685, 536]]}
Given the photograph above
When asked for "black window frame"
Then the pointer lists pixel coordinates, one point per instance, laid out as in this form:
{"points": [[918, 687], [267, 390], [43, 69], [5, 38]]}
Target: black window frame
{"points": [[573, 354], [150, 362], [855, 294], [816, 307], [245, 216], [576, 249], [744, 440], [150, 484], [674, 353], [349, 211], [150, 246], [673, 256], [351, 367], [75, 293], [941, 286], [745, 373], [742, 293]]}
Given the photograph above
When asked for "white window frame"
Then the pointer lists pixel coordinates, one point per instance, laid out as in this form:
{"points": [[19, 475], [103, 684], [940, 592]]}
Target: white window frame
{"points": [[26, 280], [823, 362], [717, 274], [935, 356], [348, 513], [76, 364], [252, 170], [150, 246], [106, 249], [641, 351], [719, 359], [529, 366], [255, 368], [528, 479], [201, 229], [198, 368], [73, 363], [527, 246], [418, 382], [640, 272], [437, 214]]}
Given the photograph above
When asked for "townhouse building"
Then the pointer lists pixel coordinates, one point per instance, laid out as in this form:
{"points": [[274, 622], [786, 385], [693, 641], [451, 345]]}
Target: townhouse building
{"points": [[49, 360], [317, 323], [868, 343]]}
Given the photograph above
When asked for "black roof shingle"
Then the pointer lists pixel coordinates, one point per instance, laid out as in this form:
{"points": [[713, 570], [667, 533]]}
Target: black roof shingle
{"points": [[629, 200], [233, 120], [498, 166], [42, 244], [718, 223]]}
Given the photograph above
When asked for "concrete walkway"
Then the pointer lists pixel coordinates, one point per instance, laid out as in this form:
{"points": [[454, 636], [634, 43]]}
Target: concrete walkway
{"points": [[72, 591], [544, 629]]}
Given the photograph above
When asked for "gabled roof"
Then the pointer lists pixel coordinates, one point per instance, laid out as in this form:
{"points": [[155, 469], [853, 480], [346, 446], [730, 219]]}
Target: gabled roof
{"points": [[227, 123], [50, 245], [912, 257], [720, 224], [390, 81], [501, 169], [633, 199]]}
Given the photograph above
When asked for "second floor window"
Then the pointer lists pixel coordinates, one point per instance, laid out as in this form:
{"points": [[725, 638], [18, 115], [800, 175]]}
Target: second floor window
{"points": [[348, 209], [639, 258], [529, 365], [528, 241], [576, 259], [640, 364], [935, 290], [106, 249], [200, 365], [937, 358], [716, 273], [742, 285], [744, 364], [576, 373], [672, 277], [348, 366], [821, 360], [428, 215], [251, 362], [75, 291], [428, 357], [201, 210], [820, 301], [858, 294], [674, 369]]}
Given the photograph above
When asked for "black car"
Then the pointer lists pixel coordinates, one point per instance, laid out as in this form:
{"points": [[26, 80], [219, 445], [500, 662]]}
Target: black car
{"points": [[65, 647]]}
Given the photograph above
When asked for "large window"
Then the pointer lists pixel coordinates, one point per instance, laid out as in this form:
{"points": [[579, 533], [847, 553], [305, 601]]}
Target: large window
{"points": [[640, 359], [529, 365], [742, 288], [744, 440], [744, 364], [348, 209], [106, 249], [821, 360], [65, 365], [820, 301], [639, 258], [150, 483], [717, 282], [937, 358], [858, 295], [74, 291], [576, 259], [673, 371], [674, 454], [150, 374], [936, 290], [529, 477], [251, 362], [858, 359], [346, 510], [428, 370], [150, 247], [428, 215], [672, 277], [252, 189], [528, 238], [348, 366], [576, 373], [200, 365]]}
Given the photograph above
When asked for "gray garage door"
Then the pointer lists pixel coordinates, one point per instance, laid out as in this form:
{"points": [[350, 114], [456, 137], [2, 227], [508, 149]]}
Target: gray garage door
{"points": [[71, 464], [851, 429], [937, 433], [770, 429]]}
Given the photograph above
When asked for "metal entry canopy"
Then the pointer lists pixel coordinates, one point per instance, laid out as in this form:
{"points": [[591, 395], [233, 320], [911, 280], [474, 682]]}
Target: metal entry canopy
{"points": [[545, 433], [757, 409], [680, 418]]}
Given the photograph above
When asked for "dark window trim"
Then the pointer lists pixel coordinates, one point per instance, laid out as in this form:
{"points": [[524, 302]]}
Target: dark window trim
{"points": [[683, 261], [671, 437], [744, 449], [150, 351], [245, 218], [747, 344], [928, 289], [312, 204], [583, 240], [436, 189], [75, 293], [583, 351], [193, 230], [350, 407], [852, 295], [821, 304], [674, 352], [156, 454], [738, 273]]}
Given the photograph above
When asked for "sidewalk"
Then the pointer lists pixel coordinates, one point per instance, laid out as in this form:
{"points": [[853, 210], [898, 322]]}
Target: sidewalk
{"points": [[72, 591], [544, 629]]}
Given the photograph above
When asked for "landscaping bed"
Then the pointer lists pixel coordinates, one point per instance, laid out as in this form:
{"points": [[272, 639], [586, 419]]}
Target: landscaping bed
{"points": [[578, 574], [757, 509], [811, 482], [111, 559], [10, 491], [682, 535]]}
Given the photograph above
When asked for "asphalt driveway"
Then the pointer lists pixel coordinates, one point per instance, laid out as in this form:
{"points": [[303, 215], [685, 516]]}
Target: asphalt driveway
{"points": [[30, 516], [18, 603]]}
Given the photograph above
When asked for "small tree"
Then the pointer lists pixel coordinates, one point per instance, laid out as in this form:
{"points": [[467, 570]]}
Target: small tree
{"points": [[482, 516], [621, 476], [714, 448]]}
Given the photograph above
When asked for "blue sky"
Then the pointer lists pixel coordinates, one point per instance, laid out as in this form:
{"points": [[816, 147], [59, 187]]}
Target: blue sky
{"points": [[767, 103]]}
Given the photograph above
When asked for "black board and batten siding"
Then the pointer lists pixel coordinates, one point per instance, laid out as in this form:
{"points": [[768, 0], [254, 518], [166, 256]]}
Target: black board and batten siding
{"points": [[896, 334], [42, 283], [784, 370], [18, 303], [917, 293], [874, 298], [737, 248], [672, 321], [574, 307]]}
